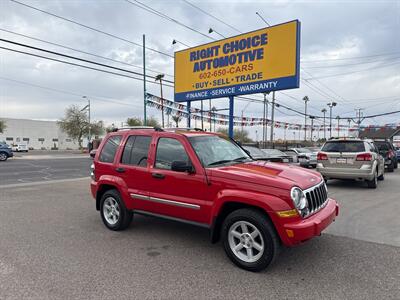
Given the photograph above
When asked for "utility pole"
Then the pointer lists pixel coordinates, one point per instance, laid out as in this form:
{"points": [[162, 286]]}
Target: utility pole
{"points": [[144, 82], [159, 77], [359, 116], [305, 99], [331, 105], [87, 107], [209, 111], [272, 118], [202, 121], [338, 128], [324, 112], [265, 122], [348, 130]]}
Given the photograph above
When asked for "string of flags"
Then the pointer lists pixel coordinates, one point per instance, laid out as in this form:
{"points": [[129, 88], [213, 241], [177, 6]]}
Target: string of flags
{"points": [[171, 107]]}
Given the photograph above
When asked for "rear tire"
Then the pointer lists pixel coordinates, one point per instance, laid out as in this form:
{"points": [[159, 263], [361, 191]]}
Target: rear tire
{"points": [[381, 177], [113, 211], [372, 184], [391, 167], [250, 240]]}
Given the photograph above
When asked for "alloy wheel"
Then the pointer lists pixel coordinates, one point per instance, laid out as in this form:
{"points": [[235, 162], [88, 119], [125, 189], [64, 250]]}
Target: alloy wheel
{"points": [[111, 210], [246, 241]]}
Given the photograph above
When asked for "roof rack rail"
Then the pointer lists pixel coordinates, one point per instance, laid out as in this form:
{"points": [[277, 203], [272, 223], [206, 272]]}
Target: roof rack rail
{"points": [[182, 128], [136, 127]]}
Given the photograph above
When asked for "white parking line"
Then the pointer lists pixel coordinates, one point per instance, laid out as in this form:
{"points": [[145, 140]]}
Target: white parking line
{"points": [[14, 185]]}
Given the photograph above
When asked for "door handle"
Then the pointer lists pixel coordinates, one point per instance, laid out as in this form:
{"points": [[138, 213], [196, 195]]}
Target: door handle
{"points": [[120, 170], [158, 175]]}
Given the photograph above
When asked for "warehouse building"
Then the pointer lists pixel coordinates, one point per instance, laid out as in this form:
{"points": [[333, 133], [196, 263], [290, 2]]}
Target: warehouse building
{"points": [[38, 135]]}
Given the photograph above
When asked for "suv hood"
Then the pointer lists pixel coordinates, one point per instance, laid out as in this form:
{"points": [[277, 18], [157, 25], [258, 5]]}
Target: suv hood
{"points": [[267, 173]]}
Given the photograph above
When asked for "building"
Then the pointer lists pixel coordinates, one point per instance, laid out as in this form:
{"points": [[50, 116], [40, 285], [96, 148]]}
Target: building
{"points": [[45, 135], [386, 133]]}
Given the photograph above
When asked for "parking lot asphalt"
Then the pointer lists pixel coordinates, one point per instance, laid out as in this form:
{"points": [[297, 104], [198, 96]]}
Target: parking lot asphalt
{"points": [[54, 245], [44, 167]]}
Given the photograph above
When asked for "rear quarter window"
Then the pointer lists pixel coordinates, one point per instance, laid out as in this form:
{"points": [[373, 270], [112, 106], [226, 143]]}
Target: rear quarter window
{"points": [[347, 146], [110, 148]]}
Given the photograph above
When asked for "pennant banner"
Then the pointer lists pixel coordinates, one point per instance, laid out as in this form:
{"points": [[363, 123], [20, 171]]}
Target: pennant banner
{"points": [[171, 107]]}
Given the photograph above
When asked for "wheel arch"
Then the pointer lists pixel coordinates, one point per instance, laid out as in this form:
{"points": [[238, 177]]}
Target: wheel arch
{"points": [[103, 188]]}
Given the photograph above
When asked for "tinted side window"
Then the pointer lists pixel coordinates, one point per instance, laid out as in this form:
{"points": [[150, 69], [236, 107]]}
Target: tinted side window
{"points": [[110, 148], [169, 150], [136, 150]]}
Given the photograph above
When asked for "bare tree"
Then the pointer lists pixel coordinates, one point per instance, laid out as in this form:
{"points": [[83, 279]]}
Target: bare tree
{"points": [[2, 126], [76, 124]]}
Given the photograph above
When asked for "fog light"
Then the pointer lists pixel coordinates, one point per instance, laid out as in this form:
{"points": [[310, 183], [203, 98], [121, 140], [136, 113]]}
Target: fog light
{"points": [[290, 233]]}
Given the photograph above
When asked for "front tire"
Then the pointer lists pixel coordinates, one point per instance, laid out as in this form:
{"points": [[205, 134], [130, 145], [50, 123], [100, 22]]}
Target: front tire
{"points": [[113, 211], [250, 240], [3, 156], [391, 167]]}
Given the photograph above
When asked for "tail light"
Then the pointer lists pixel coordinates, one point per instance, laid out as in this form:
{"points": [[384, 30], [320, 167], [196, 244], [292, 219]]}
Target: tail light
{"points": [[322, 156], [364, 157], [391, 153]]}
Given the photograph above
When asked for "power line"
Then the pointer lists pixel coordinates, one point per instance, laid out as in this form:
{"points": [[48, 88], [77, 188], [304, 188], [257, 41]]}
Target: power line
{"points": [[91, 28], [74, 57], [64, 92], [81, 51], [350, 58], [162, 15], [354, 64], [352, 72], [212, 16], [78, 65]]}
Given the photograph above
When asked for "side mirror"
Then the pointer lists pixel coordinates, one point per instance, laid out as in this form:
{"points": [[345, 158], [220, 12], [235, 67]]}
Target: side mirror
{"points": [[181, 166], [92, 153]]}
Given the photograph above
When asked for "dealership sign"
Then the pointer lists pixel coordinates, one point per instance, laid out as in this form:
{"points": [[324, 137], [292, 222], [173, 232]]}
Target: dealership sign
{"points": [[259, 61]]}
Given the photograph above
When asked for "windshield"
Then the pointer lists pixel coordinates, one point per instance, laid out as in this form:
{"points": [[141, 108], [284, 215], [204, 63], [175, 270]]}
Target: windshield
{"points": [[345, 146], [382, 146], [214, 150], [255, 152]]}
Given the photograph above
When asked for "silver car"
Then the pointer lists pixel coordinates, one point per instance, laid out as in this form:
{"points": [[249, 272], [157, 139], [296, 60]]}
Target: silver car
{"points": [[305, 157], [351, 159]]}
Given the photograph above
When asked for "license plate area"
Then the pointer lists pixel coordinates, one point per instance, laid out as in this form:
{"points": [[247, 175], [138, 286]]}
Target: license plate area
{"points": [[341, 161]]}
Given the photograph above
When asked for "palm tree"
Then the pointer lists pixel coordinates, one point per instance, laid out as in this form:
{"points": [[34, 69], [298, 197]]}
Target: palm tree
{"points": [[177, 119]]}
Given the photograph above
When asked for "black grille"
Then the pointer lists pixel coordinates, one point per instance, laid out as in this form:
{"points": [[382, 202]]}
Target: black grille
{"points": [[316, 197]]}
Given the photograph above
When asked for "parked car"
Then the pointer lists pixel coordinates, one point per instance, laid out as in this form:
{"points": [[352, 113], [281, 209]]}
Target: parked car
{"points": [[398, 153], [351, 159], [387, 150], [20, 147], [261, 154], [208, 180], [278, 155], [5, 151], [304, 156]]}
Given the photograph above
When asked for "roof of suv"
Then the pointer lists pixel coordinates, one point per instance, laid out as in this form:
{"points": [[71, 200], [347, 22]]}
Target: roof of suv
{"points": [[178, 130]]}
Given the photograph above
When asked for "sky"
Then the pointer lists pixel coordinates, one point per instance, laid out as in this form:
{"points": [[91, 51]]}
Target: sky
{"points": [[350, 54]]}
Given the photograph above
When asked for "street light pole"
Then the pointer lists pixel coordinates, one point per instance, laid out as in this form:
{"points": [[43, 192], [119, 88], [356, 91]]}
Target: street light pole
{"points": [[338, 128], [265, 123], [159, 77], [312, 127], [331, 105], [324, 112], [305, 99], [88, 108]]}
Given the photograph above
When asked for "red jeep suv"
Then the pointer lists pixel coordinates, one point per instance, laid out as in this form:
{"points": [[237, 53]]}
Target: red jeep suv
{"points": [[208, 180]]}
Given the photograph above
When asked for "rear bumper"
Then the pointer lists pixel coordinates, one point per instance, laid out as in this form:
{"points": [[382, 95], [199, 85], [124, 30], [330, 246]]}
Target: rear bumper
{"points": [[346, 173], [301, 231], [93, 188]]}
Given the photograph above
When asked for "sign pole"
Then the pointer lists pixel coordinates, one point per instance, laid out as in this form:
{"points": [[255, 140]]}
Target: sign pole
{"points": [[144, 82], [231, 117], [188, 112]]}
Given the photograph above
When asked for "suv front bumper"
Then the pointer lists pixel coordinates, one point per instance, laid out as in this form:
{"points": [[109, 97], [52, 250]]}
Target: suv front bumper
{"points": [[305, 229]]}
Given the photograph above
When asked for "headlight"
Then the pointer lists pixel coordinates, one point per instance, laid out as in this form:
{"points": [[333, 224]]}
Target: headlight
{"points": [[92, 172], [299, 199]]}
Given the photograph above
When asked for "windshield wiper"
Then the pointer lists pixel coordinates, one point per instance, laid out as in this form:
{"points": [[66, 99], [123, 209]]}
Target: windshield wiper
{"points": [[220, 162], [239, 159]]}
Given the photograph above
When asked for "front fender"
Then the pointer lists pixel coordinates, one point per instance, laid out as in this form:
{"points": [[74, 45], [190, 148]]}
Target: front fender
{"points": [[269, 203]]}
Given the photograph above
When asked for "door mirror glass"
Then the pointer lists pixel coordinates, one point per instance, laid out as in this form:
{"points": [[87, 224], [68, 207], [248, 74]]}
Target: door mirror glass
{"points": [[181, 166]]}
